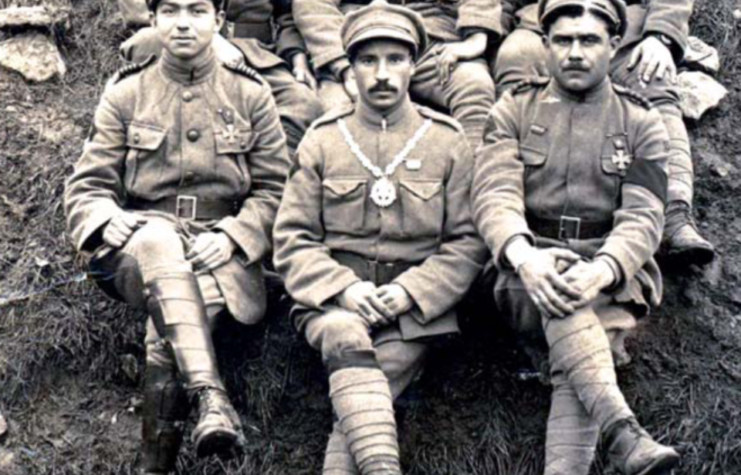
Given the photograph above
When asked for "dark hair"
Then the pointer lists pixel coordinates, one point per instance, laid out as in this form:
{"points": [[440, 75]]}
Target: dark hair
{"points": [[352, 52], [218, 4], [576, 11]]}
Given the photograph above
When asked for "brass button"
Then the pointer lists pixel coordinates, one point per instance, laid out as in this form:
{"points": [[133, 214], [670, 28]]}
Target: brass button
{"points": [[187, 96], [243, 144], [193, 135], [137, 138], [189, 177], [619, 144]]}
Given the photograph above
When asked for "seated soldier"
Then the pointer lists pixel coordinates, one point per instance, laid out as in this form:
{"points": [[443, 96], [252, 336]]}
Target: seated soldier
{"points": [[569, 191], [374, 237], [280, 59], [174, 199], [451, 73], [655, 40]]}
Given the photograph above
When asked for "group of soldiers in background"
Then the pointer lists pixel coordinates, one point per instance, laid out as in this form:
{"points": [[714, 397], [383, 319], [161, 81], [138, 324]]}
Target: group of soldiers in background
{"points": [[294, 136]]}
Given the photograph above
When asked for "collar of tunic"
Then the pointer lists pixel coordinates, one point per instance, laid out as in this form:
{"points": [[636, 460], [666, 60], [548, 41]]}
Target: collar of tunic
{"points": [[188, 72], [374, 119]]}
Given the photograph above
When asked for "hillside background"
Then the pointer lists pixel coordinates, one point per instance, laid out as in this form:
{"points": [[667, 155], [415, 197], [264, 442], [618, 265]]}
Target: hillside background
{"points": [[71, 361]]}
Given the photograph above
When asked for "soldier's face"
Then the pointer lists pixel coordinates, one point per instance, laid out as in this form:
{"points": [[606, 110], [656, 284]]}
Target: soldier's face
{"points": [[187, 27], [579, 51], [383, 70]]}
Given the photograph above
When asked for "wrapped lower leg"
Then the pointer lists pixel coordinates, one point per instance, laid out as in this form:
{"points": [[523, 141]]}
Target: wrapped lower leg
{"points": [[178, 312], [580, 349], [338, 460], [364, 406], [572, 434]]}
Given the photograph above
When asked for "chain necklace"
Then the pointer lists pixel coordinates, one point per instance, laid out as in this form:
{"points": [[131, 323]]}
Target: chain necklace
{"points": [[383, 192]]}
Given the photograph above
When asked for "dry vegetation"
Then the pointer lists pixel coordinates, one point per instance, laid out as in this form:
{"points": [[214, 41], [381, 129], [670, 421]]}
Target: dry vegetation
{"points": [[70, 360]]}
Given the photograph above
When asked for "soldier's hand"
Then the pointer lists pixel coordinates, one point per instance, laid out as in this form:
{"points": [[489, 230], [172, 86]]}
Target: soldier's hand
{"points": [[210, 250], [302, 71], [396, 298], [361, 298], [652, 58], [548, 290], [351, 87], [449, 54], [589, 278], [226, 52], [121, 227]]}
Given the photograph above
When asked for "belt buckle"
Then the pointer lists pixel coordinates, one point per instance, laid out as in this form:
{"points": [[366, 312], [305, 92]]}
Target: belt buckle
{"points": [[186, 206], [569, 227]]}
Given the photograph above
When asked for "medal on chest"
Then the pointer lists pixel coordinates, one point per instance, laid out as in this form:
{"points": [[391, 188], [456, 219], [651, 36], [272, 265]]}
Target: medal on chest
{"points": [[383, 192], [621, 158]]}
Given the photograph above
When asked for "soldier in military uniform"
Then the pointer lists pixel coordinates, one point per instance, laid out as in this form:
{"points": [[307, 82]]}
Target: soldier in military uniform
{"points": [[280, 58], [569, 191], [174, 200], [374, 237], [654, 42], [451, 73]]}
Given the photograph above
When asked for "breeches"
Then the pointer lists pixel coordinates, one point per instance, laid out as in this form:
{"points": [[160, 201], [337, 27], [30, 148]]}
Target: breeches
{"points": [[336, 332]]}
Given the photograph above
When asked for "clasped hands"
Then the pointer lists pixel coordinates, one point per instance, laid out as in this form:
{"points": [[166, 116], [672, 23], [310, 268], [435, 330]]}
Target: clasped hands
{"points": [[379, 306], [559, 281], [208, 250]]}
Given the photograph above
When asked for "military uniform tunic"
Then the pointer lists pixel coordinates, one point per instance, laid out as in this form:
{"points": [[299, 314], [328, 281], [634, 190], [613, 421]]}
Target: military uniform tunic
{"points": [[206, 133], [599, 161]]}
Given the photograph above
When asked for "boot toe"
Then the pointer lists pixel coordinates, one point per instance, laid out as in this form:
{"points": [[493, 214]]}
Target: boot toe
{"points": [[219, 441], [661, 461], [688, 247]]}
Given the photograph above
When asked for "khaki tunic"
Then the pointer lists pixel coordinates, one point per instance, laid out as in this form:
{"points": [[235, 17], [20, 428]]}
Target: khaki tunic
{"points": [[327, 209], [213, 133], [548, 154]]}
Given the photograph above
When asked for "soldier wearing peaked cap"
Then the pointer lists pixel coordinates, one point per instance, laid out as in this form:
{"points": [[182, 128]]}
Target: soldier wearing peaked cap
{"points": [[374, 238], [265, 39], [451, 73], [569, 192], [173, 200], [653, 40]]}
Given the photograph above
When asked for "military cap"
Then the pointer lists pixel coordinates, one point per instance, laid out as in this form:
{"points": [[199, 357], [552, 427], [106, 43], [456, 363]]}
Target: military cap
{"points": [[219, 4], [382, 20], [613, 10]]}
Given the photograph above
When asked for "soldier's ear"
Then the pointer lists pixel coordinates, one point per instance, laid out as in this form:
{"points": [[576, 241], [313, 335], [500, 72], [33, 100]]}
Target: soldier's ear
{"points": [[545, 40], [220, 19], [152, 19], [615, 43]]}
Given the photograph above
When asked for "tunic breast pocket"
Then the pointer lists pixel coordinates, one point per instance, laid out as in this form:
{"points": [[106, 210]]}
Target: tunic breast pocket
{"points": [[233, 149], [145, 157], [344, 205], [422, 207]]}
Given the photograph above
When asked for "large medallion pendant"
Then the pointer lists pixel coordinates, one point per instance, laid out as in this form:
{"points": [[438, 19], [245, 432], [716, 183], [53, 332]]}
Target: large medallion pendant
{"points": [[383, 193]]}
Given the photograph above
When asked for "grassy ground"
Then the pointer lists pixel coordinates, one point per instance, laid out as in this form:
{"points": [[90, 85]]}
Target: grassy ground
{"points": [[70, 360]]}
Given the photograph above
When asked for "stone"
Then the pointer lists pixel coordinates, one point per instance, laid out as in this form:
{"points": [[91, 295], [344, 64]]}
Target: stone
{"points": [[698, 93], [700, 55], [3, 427], [38, 16], [34, 55]]}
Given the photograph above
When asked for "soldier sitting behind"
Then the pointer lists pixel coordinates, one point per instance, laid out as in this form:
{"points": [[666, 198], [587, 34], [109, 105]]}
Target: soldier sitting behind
{"points": [[374, 237], [175, 197], [569, 192]]}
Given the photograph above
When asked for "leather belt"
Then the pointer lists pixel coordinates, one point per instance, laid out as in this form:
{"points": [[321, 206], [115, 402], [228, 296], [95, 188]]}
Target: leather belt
{"points": [[367, 2], [568, 227], [189, 207], [259, 30], [380, 273]]}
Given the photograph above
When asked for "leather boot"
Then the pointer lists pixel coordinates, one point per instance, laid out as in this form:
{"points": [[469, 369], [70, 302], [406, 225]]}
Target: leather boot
{"points": [[165, 410], [682, 241], [176, 307], [634, 452]]}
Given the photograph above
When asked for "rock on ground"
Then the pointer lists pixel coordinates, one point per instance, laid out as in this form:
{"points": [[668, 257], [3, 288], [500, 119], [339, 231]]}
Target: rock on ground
{"points": [[38, 16], [34, 55], [698, 93], [701, 55]]}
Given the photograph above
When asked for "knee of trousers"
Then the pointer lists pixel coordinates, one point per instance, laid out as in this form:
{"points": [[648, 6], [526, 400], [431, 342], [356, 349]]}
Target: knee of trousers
{"points": [[521, 55], [398, 358], [332, 95], [338, 334], [471, 84], [156, 243]]}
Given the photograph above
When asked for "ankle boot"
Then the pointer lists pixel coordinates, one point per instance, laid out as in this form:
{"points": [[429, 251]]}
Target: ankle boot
{"points": [[219, 430], [338, 460], [634, 452], [682, 241], [165, 410], [176, 307]]}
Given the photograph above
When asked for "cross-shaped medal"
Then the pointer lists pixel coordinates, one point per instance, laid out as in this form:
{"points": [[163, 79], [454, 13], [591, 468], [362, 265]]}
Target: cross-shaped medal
{"points": [[621, 160], [228, 116]]}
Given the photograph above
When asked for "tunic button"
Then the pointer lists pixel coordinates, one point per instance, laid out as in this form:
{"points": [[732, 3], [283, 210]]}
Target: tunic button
{"points": [[619, 144], [193, 135], [137, 139], [187, 96]]}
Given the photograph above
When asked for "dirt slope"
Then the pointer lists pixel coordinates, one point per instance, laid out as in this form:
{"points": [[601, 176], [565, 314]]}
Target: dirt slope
{"points": [[70, 361]]}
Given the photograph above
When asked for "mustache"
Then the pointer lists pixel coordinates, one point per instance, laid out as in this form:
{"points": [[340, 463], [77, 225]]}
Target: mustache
{"points": [[382, 87], [576, 67]]}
